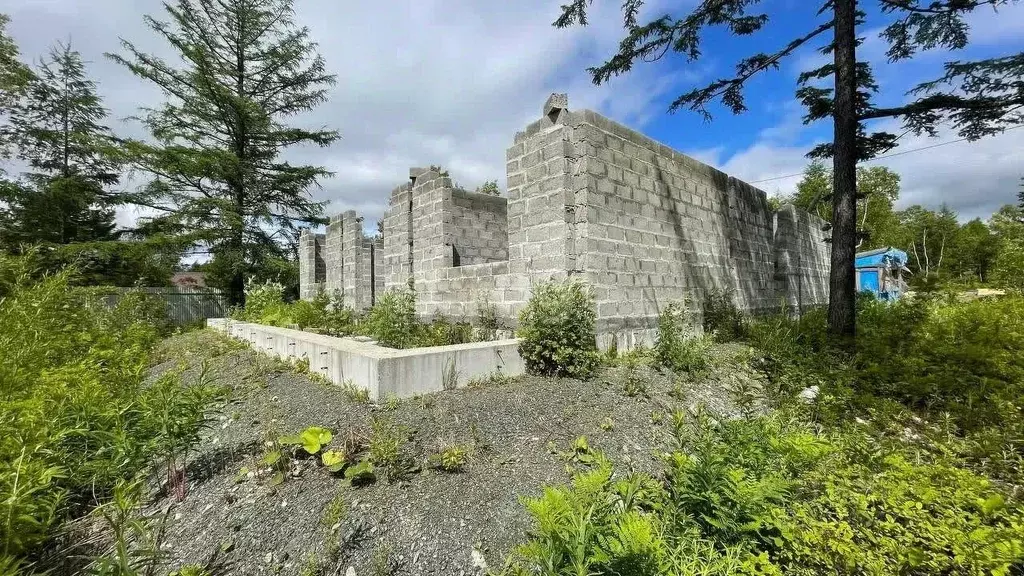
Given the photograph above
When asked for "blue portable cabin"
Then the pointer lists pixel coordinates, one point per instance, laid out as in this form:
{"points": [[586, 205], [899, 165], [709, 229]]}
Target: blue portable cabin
{"points": [[880, 271]]}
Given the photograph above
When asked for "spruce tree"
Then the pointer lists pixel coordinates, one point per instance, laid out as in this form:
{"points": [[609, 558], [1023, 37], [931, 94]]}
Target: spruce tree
{"points": [[978, 98], [55, 127], [218, 179]]}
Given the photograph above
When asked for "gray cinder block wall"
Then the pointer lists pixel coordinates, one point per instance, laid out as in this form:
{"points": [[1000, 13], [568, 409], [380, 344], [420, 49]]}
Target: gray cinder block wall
{"points": [[312, 269], [802, 259], [341, 262], [589, 198], [398, 235], [479, 228], [655, 226]]}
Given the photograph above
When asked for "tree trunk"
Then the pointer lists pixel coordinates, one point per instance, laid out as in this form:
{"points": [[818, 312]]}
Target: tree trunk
{"points": [[841, 296], [236, 255]]}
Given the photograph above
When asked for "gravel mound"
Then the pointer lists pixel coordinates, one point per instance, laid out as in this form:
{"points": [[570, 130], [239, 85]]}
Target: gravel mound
{"points": [[431, 523]]}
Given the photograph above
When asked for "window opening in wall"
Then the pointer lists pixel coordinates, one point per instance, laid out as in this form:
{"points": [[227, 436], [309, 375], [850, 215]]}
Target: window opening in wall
{"points": [[456, 259]]}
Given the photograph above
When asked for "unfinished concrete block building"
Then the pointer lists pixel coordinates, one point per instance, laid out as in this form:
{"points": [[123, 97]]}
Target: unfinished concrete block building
{"points": [[587, 198]]}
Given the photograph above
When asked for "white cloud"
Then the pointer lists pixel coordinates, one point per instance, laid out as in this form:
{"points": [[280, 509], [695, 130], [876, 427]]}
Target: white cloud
{"points": [[450, 82], [973, 178], [420, 82]]}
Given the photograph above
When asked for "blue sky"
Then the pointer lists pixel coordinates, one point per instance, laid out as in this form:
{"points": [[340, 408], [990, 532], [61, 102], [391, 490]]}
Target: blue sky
{"points": [[774, 116], [449, 82]]}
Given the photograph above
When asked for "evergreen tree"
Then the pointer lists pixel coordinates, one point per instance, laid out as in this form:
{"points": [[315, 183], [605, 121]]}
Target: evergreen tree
{"points": [[14, 78], [219, 181], [56, 129], [979, 97]]}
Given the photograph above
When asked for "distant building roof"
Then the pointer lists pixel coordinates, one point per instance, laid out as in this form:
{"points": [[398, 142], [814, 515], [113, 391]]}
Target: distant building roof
{"points": [[189, 279], [888, 257]]}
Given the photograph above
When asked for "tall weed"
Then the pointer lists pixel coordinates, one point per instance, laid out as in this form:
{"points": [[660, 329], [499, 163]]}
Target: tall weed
{"points": [[678, 348], [73, 415]]}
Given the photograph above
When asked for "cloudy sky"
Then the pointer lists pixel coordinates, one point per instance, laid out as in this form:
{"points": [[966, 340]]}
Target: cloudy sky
{"points": [[449, 82]]}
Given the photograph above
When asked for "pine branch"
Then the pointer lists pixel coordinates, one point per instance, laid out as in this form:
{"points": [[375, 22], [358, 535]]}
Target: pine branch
{"points": [[936, 7], [729, 89]]}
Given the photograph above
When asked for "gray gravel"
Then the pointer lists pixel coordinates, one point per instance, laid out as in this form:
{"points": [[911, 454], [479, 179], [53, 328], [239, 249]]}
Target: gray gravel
{"points": [[433, 523]]}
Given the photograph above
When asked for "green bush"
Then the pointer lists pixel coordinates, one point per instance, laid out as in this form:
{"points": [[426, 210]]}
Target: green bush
{"points": [[136, 307], [264, 303], [443, 332], [487, 318], [772, 496], [306, 314], [677, 348], [722, 318], [324, 314], [958, 357], [392, 320], [898, 517], [73, 408], [557, 331]]}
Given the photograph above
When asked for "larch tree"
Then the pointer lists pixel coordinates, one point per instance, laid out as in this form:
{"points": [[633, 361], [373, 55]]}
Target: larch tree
{"points": [[977, 98], [55, 127], [218, 179]]}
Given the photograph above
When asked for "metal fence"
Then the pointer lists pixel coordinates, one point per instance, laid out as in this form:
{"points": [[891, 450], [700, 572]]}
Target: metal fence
{"points": [[184, 304]]}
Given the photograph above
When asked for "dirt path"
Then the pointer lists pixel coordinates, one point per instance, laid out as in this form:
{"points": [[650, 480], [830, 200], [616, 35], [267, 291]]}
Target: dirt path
{"points": [[432, 523]]}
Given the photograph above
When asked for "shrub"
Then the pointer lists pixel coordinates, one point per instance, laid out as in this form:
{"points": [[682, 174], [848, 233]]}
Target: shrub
{"points": [[961, 357], [264, 303], [634, 381], [443, 332], [722, 318], [895, 516], [324, 314], [75, 417], [619, 525], [306, 314], [487, 319], [392, 319], [557, 331], [138, 308], [177, 417], [772, 496], [677, 348]]}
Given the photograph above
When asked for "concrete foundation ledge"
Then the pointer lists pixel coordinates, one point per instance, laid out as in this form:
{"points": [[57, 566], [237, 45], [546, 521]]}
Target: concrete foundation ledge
{"points": [[381, 371]]}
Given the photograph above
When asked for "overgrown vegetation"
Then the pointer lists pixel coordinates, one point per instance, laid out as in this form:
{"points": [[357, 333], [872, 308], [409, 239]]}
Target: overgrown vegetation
{"points": [[907, 461], [722, 318], [76, 419], [389, 450], [556, 329], [391, 322], [771, 496], [677, 347]]}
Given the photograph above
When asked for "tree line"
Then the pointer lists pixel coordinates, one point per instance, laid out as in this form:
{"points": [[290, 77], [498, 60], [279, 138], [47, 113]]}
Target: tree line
{"points": [[940, 249], [214, 179]]}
